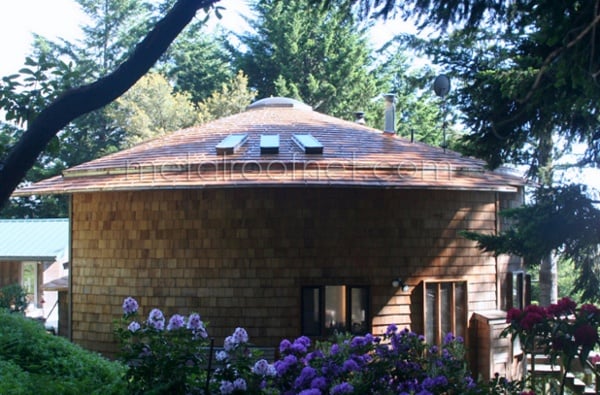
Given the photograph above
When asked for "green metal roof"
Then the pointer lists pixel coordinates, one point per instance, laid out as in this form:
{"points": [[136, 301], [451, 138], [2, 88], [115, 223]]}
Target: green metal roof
{"points": [[33, 239]]}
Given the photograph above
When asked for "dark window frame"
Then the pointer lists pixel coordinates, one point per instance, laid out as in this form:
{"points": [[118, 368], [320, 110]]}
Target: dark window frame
{"points": [[323, 332]]}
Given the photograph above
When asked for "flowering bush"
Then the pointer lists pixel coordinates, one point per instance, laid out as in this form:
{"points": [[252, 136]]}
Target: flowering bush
{"points": [[562, 330], [170, 358], [162, 358], [399, 362]]}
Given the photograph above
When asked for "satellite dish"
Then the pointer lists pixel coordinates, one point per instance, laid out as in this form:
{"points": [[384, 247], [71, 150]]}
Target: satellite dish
{"points": [[441, 85]]}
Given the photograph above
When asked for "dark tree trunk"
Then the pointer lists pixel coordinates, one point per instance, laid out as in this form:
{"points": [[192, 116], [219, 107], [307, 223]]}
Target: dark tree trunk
{"points": [[78, 101], [548, 265]]}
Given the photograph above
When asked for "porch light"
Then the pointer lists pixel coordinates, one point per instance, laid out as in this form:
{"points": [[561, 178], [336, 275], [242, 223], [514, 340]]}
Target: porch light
{"points": [[399, 283]]}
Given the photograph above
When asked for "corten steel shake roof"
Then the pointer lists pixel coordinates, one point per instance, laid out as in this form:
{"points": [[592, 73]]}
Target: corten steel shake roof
{"points": [[312, 149]]}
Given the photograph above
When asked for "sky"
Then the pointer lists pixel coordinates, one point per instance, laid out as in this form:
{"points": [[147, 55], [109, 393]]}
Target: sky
{"points": [[20, 18], [62, 18], [58, 19]]}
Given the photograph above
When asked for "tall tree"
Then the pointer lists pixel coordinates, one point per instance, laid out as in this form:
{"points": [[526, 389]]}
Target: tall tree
{"points": [[113, 28], [78, 101], [320, 56], [233, 98], [151, 109], [528, 87], [197, 64]]}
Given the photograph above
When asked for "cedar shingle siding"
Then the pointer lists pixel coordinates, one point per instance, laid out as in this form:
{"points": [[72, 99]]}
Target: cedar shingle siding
{"points": [[240, 256]]}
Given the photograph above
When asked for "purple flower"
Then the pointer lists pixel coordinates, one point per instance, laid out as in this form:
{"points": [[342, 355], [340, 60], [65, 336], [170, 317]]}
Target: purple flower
{"points": [[319, 383], [221, 355], [284, 346], [351, 366], [240, 336], [229, 343], [305, 341], [470, 382], [226, 387], [194, 322], [361, 341], [130, 306], [263, 368], [156, 319], [391, 329], [306, 376], [298, 348], [448, 338], [312, 391], [133, 327], [176, 322], [342, 388], [196, 325], [239, 384], [283, 365], [335, 349]]}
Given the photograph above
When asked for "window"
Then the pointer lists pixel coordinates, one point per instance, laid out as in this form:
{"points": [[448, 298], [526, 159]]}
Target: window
{"points": [[29, 281], [334, 308], [445, 310], [519, 285]]}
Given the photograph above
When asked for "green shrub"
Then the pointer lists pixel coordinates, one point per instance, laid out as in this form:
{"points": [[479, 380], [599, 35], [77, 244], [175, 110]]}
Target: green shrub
{"points": [[14, 298], [32, 361]]}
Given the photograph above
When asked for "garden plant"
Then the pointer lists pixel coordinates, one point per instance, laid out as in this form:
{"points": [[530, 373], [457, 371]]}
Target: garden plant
{"points": [[175, 356], [32, 361], [564, 331]]}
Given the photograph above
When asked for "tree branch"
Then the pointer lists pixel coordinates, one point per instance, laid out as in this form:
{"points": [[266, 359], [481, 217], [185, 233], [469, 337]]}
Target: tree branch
{"points": [[78, 101], [557, 52]]}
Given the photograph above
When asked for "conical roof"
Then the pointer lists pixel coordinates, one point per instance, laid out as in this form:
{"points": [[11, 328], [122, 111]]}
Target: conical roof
{"points": [[278, 142]]}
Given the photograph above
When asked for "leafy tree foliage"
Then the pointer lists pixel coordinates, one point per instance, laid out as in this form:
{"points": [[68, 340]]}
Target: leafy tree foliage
{"points": [[560, 219], [197, 64], [304, 51], [150, 109], [87, 98], [527, 90], [54, 67], [233, 98]]}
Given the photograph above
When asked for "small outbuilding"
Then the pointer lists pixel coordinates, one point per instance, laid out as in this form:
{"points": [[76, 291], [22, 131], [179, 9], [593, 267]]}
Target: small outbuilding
{"points": [[33, 252], [284, 221]]}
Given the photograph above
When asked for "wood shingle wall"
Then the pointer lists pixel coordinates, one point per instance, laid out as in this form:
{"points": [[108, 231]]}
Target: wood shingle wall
{"points": [[10, 273], [239, 256]]}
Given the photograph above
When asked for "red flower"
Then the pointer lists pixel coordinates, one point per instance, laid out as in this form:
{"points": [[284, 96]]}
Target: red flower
{"points": [[534, 314], [564, 306], [513, 315], [586, 335], [532, 392], [589, 309]]}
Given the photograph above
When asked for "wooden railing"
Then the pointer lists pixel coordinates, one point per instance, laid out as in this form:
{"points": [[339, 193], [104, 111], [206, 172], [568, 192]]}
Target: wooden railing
{"points": [[581, 380]]}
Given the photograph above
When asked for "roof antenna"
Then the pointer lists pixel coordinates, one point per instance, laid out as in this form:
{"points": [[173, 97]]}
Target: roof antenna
{"points": [[441, 87]]}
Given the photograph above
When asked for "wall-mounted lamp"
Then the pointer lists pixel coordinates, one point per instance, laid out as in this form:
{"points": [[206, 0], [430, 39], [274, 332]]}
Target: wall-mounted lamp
{"points": [[399, 283]]}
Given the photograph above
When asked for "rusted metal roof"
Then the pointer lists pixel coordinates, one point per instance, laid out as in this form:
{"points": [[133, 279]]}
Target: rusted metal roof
{"points": [[352, 155]]}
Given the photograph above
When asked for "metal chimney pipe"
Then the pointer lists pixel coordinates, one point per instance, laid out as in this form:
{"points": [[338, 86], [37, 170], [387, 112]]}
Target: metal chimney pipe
{"points": [[359, 117], [390, 113]]}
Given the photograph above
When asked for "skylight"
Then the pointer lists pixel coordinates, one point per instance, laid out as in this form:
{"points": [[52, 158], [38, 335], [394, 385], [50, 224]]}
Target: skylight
{"points": [[231, 143], [269, 144], [308, 143]]}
